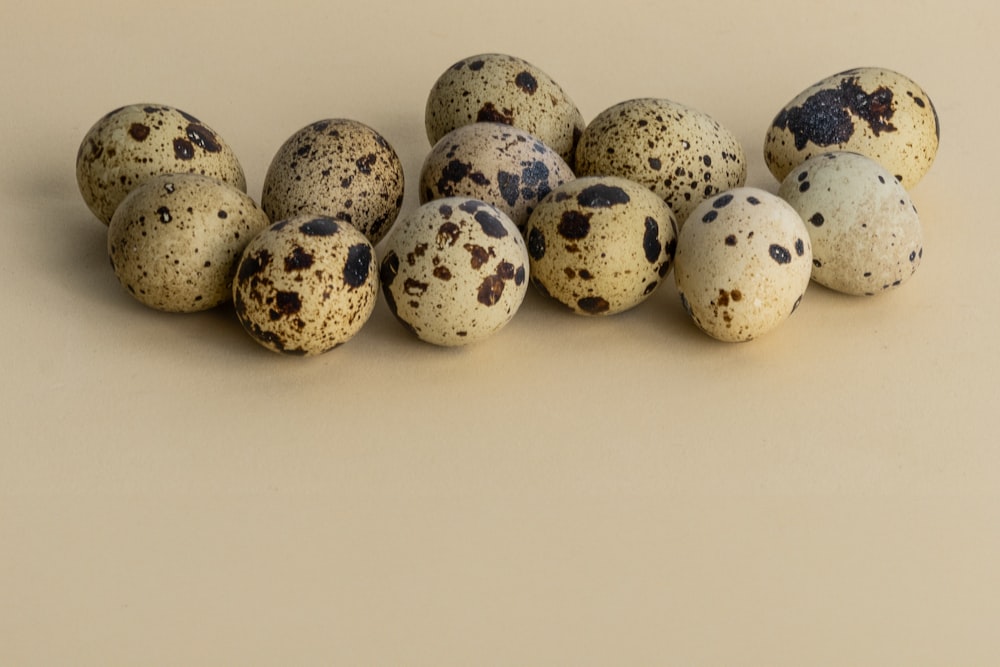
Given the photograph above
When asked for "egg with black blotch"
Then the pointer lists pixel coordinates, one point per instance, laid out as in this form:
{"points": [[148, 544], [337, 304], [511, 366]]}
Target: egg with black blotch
{"points": [[306, 285], [875, 111], [137, 142]]}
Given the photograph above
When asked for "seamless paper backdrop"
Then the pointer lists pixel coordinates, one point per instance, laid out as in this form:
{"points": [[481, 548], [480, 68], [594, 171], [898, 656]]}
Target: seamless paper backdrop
{"points": [[574, 491]]}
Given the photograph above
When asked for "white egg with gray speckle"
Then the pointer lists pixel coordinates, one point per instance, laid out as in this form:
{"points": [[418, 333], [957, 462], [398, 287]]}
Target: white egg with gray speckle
{"points": [[865, 231], [743, 263]]}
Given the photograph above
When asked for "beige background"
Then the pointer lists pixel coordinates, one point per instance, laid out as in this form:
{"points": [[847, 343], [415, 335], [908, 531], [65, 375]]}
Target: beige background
{"points": [[621, 491]]}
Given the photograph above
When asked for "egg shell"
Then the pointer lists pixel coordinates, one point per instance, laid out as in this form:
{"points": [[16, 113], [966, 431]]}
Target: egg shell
{"points": [[306, 285], [680, 153], [869, 110], [600, 244], [742, 264], [500, 88], [134, 143], [499, 164], [339, 168], [174, 241], [455, 271], [865, 230]]}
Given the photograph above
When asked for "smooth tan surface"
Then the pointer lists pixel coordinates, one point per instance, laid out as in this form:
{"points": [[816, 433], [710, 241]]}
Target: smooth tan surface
{"points": [[619, 491]]}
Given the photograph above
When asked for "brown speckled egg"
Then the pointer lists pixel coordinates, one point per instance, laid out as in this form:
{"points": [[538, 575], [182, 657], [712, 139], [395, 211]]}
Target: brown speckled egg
{"points": [[132, 144], [600, 244], [174, 241], [869, 110], [501, 165], [455, 271], [682, 154], [864, 228], [499, 88], [742, 264], [339, 168], [306, 285]]}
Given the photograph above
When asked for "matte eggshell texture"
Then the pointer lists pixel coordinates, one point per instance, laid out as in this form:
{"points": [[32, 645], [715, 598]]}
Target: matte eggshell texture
{"points": [[455, 271], [338, 168], [499, 88], [174, 241], [501, 165], [869, 110], [306, 285], [600, 244], [682, 154], [132, 144], [742, 264], [865, 230]]}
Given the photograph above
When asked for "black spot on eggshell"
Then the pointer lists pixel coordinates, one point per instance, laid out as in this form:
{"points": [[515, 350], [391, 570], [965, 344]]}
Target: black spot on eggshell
{"points": [[722, 201], [594, 305], [254, 264], [753, 201], [359, 259], [163, 213], [490, 224], [526, 82], [710, 216], [536, 244], [285, 304], [574, 225], [298, 260], [490, 290], [651, 240], [203, 138], [826, 117], [602, 196], [655, 164], [510, 187], [800, 247], [817, 219], [183, 149], [365, 163], [490, 114], [780, 254], [320, 227], [731, 240], [138, 131]]}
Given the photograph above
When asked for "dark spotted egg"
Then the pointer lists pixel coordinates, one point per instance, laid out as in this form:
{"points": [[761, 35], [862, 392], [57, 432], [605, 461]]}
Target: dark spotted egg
{"points": [[339, 168], [865, 230], [175, 239], [496, 163], [306, 285], [743, 263], [455, 271], [134, 143], [499, 88], [600, 244], [680, 153], [870, 110]]}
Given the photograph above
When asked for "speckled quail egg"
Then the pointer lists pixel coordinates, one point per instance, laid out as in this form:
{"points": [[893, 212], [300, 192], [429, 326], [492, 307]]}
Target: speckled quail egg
{"points": [[499, 88], [865, 231], [680, 153], [742, 264], [339, 168], [455, 271], [501, 165], [600, 244], [134, 143], [306, 285], [174, 240], [869, 110]]}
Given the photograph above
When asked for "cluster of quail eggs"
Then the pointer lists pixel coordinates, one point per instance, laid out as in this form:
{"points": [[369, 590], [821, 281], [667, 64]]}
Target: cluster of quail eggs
{"points": [[516, 189]]}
